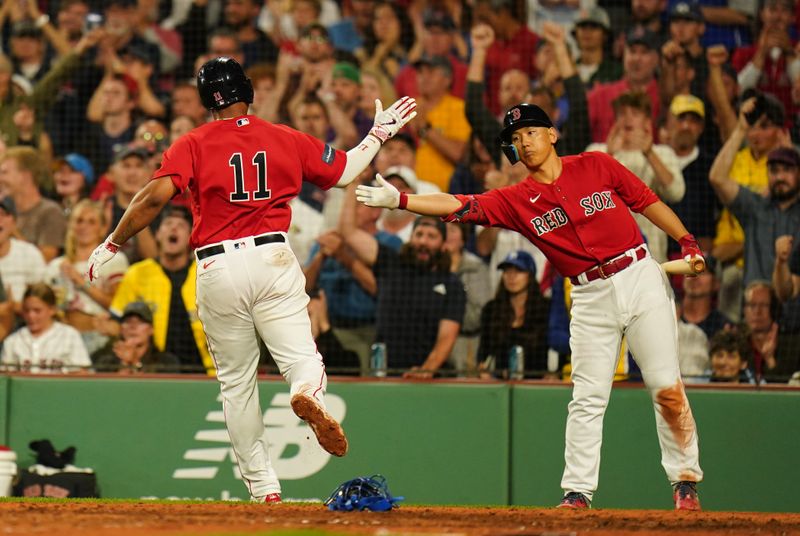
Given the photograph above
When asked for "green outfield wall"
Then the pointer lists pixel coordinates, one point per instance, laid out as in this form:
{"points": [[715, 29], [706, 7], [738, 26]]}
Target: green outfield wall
{"points": [[438, 443]]}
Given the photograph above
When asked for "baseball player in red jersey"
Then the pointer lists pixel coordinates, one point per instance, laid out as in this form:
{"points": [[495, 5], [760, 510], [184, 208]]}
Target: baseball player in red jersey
{"points": [[241, 173], [576, 209]]}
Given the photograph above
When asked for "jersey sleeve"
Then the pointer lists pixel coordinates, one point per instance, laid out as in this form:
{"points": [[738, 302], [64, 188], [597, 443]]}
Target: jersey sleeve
{"points": [[322, 164], [628, 186], [177, 163]]}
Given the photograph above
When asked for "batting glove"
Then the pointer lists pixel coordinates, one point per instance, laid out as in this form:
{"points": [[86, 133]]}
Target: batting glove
{"points": [[690, 249], [101, 255], [384, 196], [389, 122]]}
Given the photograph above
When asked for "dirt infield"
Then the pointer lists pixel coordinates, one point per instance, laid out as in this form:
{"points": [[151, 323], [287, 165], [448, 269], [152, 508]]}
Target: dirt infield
{"points": [[89, 518]]}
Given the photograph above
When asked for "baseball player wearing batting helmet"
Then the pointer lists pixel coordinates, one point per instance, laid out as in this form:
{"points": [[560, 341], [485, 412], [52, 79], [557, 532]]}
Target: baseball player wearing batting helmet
{"points": [[242, 172], [576, 209]]}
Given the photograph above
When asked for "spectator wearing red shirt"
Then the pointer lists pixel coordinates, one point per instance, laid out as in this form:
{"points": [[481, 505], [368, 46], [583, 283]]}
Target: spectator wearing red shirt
{"points": [[437, 39], [514, 46], [771, 64], [640, 61]]}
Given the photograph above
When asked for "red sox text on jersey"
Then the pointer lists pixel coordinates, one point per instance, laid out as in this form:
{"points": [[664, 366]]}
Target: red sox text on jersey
{"points": [[579, 221], [555, 218]]}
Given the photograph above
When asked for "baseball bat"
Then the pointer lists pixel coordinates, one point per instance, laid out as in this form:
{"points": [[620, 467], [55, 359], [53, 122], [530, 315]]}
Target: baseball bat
{"points": [[682, 267]]}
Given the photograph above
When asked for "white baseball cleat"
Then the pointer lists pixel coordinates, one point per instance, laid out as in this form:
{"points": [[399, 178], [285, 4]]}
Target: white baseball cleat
{"points": [[329, 432]]}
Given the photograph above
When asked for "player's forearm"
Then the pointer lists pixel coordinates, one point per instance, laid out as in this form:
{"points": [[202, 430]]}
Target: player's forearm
{"points": [[358, 158], [439, 204], [665, 219], [144, 208]]}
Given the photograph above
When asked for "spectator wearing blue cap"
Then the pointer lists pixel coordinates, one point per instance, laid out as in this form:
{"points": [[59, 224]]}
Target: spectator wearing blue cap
{"points": [[517, 316], [73, 178]]}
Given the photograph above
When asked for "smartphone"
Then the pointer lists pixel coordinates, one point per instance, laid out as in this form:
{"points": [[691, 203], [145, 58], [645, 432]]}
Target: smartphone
{"points": [[92, 22]]}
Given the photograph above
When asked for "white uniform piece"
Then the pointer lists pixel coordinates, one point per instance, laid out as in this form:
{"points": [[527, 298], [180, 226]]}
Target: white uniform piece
{"points": [[638, 164], [60, 349], [275, 301], [23, 265], [638, 302]]}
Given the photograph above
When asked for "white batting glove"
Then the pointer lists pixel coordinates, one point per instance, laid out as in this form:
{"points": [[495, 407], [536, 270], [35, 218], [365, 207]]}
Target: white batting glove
{"points": [[389, 122], [383, 196], [101, 255]]}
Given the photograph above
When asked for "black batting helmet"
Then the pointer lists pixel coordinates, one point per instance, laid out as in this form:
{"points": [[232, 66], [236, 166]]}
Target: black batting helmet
{"points": [[519, 116], [222, 82], [523, 115]]}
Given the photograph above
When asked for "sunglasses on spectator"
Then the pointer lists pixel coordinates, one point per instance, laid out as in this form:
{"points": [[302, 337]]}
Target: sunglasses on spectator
{"points": [[150, 136]]}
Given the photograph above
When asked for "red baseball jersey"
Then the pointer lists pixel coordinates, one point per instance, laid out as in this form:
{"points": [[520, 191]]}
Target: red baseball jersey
{"points": [[579, 221], [242, 173]]}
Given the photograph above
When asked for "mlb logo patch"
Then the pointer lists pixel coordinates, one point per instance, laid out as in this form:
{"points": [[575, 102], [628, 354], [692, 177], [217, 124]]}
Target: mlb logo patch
{"points": [[242, 122], [239, 245]]}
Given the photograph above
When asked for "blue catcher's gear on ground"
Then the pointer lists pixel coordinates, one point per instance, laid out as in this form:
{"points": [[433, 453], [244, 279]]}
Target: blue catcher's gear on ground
{"points": [[363, 493]]}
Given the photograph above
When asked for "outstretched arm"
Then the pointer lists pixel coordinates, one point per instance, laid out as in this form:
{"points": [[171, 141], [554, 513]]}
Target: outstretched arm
{"points": [[387, 196], [387, 124]]}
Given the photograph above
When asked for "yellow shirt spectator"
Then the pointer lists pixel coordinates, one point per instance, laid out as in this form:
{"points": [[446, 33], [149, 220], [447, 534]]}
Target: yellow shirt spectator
{"points": [[146, 281], [442, 127]]}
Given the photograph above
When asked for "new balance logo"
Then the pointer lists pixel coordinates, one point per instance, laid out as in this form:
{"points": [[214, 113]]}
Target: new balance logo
{"points": [[295, 451]]}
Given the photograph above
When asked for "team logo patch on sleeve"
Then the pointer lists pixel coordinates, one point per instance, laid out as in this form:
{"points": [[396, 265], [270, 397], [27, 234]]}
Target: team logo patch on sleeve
{"points": [[328, 154]]}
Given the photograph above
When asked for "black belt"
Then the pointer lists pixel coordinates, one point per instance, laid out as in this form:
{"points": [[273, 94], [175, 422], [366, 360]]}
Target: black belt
{"points": [[258, 241]]}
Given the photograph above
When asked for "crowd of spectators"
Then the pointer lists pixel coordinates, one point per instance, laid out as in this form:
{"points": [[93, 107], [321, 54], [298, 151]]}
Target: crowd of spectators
{"points": [[701, 100]]}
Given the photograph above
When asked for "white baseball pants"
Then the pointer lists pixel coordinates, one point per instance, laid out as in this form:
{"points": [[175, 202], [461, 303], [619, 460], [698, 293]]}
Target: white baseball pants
{"points": [[246, 292], [637, 302]]}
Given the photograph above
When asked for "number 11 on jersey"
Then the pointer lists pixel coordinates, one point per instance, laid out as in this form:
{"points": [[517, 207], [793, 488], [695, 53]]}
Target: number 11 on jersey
{"points": [[239, 192]]}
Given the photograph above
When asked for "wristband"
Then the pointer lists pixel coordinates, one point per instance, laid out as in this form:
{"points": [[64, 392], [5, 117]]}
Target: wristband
{"points": [[111, 246], [403, 203]]}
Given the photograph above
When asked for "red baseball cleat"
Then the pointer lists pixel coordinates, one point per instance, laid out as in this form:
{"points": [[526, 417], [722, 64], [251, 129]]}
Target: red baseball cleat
{"points": [[575, 501], [685, 496], [273, 498]]}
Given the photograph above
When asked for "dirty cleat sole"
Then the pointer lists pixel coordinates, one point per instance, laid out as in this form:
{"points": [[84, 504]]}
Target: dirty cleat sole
{"points": [[329, 432]]}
